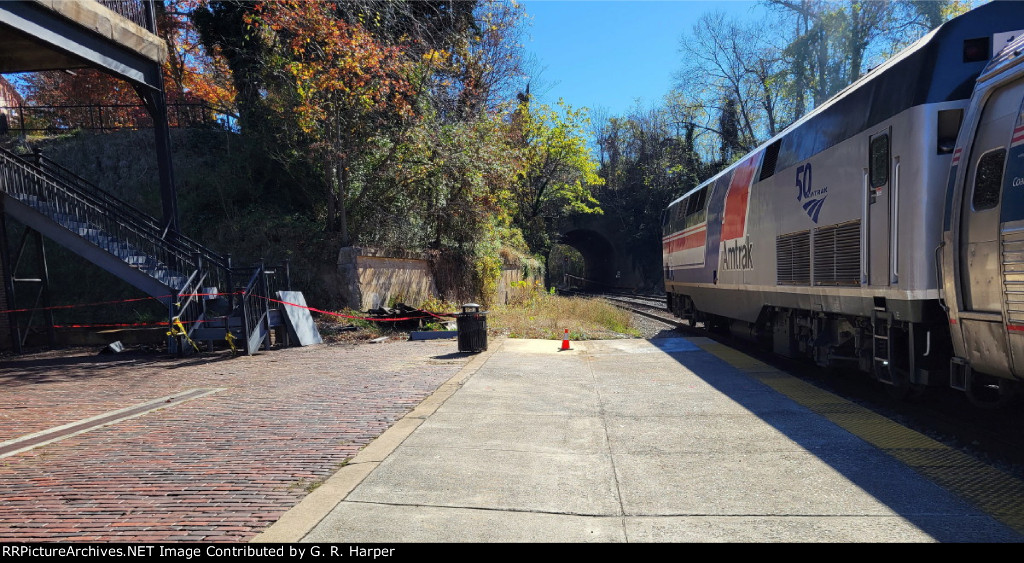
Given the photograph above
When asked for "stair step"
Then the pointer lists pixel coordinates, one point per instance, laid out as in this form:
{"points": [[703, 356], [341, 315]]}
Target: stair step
{"points": [[63, 203]]}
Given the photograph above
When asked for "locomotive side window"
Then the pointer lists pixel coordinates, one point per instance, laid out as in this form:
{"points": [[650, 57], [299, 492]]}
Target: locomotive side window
{"points": [[698, 211], [689, 212], [988, 179], [879, 161], [674, 221]]}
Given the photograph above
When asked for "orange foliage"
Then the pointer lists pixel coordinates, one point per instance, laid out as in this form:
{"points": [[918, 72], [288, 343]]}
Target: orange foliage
{"points": [[342, 75], [190, 76]]}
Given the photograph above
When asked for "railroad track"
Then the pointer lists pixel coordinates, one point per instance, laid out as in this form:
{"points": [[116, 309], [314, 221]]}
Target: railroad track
{"points": [[650, 307]]}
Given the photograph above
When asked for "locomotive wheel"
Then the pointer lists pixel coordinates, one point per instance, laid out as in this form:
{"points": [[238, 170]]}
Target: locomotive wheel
{"points": [[991, 394]]}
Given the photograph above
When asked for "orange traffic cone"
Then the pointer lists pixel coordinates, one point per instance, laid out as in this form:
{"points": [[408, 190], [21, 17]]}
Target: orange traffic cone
{"points": [[565, 340]]}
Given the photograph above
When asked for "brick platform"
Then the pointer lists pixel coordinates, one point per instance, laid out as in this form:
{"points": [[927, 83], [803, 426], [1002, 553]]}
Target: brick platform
{"points": [[221, 467]]}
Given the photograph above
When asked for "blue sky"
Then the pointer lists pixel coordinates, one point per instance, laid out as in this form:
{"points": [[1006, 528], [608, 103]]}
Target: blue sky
{"points": [[610, 53]]}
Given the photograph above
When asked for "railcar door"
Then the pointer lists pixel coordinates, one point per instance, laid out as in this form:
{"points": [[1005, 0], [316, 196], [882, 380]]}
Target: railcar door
{"points": [[877, 209], [981, 255]]}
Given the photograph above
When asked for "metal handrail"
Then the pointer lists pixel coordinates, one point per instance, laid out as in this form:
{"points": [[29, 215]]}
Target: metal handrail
{"points": [[129, 231], [255, 305], [133, 10], [188, 306], [135, 215], [25, 118], [77, 204]]}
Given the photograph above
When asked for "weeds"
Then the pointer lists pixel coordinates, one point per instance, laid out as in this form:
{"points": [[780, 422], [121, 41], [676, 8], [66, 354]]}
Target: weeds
{"points": [[539, 314], [532, 312]]}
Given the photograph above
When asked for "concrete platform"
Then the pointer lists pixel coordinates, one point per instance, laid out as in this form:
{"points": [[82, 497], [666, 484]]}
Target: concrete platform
{"points": [[674, 440]]}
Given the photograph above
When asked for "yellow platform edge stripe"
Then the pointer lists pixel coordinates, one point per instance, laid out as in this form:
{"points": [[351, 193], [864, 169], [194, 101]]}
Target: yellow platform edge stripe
{"points": [[995, 492]]}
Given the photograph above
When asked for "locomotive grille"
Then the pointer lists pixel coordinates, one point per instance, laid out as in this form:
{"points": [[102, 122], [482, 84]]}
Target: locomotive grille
{"points": [[1013, 275], [793, 258], [837, 254]]}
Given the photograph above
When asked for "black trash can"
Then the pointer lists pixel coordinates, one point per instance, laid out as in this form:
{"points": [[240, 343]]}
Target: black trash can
{"points": [[472, 326]]}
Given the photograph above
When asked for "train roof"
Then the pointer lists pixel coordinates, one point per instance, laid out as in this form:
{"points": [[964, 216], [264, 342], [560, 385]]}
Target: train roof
{"points": [[930, 70]]}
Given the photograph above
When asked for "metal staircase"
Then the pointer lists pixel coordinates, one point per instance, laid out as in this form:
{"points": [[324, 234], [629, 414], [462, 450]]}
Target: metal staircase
{"points": [[181, 273]]}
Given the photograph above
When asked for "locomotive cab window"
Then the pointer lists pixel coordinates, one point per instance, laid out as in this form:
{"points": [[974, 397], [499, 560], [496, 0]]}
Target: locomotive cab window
{"points": [[988, 179], [879, 161]]}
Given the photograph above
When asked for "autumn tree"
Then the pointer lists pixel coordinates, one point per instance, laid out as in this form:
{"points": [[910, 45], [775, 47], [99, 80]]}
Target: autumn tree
{"points": [[750, 81], [192, 72], [85, 96], [733, 71], [345, 87], [648, 157], [831, 44], [558, 171]]}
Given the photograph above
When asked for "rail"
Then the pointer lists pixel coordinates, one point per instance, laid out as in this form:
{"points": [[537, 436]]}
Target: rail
{"points": [[184, 265], [127, 211]]}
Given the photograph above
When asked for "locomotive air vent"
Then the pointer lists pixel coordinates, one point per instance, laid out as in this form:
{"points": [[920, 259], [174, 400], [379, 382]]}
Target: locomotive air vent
{"points": [[837, 254], [793, 258]]}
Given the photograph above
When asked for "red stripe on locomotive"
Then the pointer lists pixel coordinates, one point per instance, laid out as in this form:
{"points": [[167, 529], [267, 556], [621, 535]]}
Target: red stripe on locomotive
{"points": [[694, 239], [734, 221]]}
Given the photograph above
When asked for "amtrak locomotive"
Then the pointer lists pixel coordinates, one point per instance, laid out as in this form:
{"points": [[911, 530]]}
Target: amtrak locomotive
{"points": [[885, 229]]}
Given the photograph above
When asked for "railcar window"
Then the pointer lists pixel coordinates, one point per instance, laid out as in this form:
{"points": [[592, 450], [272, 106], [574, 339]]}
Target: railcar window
{"points": [[697, 210], [691, 205], [676, 216], [879, 161], [701, 198], [988, 179]]}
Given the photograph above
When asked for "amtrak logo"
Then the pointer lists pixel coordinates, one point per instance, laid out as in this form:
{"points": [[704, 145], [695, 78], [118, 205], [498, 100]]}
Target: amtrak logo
{"points": [[813, 207], [813, 200]]}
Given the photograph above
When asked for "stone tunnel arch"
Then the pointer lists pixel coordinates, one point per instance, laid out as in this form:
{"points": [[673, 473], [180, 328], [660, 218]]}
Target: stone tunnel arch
{"points": [[599, 258]]}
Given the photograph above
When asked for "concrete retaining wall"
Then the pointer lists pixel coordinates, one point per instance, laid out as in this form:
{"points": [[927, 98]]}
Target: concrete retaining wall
{"points": [[509, 276], [372, 279]]}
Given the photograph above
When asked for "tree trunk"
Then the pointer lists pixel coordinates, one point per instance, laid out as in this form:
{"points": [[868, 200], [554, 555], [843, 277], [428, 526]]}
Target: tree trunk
{"points": [[342, 190], [332, 199]]}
